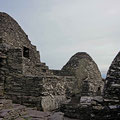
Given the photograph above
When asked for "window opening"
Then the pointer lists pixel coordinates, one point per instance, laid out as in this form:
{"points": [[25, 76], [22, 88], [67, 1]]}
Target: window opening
{"points": [[26, 52]]}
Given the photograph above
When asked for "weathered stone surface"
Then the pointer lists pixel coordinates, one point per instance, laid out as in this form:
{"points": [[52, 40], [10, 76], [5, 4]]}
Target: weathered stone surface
{"points": [[45, 93], [76, 111], [10, 111], [98, 107], [28, 81], [52, 102], [82, 66], [112, 86], [12, 36], [24, 78], [93, 108]]}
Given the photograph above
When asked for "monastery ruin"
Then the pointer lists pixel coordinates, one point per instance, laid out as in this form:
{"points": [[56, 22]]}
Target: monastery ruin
{"points": [[26, 80]]}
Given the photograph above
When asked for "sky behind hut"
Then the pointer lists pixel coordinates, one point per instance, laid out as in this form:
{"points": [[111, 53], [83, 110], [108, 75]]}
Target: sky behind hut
{"points": [[60, 28]]}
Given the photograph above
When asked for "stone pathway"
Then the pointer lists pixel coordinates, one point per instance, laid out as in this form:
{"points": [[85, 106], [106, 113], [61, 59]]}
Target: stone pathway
{"points": [[10, 111]]}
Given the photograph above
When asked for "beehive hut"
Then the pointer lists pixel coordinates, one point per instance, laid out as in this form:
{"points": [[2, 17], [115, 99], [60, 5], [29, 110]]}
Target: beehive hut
{"points": [[82, 66], [112, 86]]}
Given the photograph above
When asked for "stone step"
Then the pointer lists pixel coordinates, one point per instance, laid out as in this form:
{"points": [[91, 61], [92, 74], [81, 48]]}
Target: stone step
{"points": [[38, 114], [5, 104], [11, 111], [20, 112]]}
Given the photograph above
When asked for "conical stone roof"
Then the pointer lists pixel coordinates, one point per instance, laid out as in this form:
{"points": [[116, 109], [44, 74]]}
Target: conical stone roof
{"points": [[86, 71]]}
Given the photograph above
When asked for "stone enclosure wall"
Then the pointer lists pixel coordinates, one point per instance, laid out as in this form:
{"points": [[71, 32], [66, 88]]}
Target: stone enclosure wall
{"points": [[46, 92]]}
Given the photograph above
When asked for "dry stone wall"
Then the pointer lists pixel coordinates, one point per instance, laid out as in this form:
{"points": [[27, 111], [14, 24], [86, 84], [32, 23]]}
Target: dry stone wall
{"points": [[33, 91], [2, 73], [45, 93], [28, 81], [89, 80], [112, 85], [12, 34]]}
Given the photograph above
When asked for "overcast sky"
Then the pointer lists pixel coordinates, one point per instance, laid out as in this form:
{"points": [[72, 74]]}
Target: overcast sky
{"points": [[61, 28]]}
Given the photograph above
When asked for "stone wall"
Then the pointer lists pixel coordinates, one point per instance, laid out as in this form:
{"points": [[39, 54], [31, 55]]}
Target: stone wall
{"points": [[112, 85], [12, 34], [2, 73], [45, 93], [28, 81]]}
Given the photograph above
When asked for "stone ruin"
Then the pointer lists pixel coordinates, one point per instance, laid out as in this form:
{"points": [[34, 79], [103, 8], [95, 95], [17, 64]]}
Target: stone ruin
{"points": [[89, 81], [30, 82], [112, 86], [26, 80], [88, 78], [98, 107]]}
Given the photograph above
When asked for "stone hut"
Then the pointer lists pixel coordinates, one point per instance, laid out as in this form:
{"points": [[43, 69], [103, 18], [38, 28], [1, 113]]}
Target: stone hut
{"points": [[88, 77], [12, 36], [112, 85], [23, 77]]}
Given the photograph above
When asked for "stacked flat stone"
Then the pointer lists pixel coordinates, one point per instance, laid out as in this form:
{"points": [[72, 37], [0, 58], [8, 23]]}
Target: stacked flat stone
{"points": [[112, 86], [9, 111], [2, 72], [88, 77], [23, 77], [28, 81]]}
